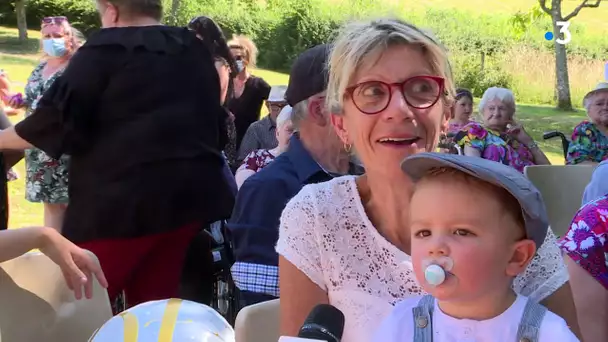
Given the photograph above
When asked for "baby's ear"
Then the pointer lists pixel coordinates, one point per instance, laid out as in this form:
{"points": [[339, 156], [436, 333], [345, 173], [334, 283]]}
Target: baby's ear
{"points": [[522, 253]]}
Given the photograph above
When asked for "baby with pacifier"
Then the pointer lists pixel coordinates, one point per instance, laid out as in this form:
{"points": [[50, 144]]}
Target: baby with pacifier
{"points": [[475, 225]]}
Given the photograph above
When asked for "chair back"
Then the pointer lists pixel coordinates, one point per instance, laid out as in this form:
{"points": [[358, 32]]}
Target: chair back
{"points": [[37, 305], [258, 322], [562, 188]]}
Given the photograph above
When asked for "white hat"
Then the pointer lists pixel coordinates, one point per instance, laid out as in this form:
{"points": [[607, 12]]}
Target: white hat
{"points": [[277, 94], [602, 86]]}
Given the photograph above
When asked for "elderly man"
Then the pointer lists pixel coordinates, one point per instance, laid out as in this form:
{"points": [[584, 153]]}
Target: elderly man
{"points": [[262, 133], [315, 154], [590, 137]]}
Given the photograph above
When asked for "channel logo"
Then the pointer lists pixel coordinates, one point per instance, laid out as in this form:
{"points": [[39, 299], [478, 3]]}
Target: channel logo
{"points": [[564, 28]]}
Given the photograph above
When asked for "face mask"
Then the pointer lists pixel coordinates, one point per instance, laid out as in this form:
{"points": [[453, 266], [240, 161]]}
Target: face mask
{"points": [[240, 66], [54, 47]]}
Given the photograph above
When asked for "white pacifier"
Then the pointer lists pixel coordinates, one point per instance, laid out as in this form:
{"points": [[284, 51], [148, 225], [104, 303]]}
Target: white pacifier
{"points": [[437, 269]]}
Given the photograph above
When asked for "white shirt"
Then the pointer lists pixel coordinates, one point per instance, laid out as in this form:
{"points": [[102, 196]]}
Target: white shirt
{"points": [[399, 326], [325, 233]]}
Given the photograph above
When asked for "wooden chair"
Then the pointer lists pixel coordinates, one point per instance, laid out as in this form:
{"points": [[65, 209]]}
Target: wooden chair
{"points": [[258, 323], [562, 188], [36, 304]]}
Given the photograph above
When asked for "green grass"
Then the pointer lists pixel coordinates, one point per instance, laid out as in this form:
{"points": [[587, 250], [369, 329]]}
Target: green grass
{"points": [[19, 62]]}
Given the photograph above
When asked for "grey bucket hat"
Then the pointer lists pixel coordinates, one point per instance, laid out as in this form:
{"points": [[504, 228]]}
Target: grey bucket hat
{"points": [[529, 198]]}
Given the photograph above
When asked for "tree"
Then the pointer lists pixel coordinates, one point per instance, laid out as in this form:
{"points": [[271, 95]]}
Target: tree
{"points": [[21, 21], [175, 4], [561, 33]]}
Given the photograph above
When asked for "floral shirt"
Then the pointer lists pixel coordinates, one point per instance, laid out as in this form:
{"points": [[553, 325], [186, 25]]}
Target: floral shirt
{"points": [[586, 241], [257, 160], [587, 144], [46, 178], [495, 146]]}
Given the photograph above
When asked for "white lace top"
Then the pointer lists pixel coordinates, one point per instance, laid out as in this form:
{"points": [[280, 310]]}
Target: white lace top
{"points": [[326, 233]]}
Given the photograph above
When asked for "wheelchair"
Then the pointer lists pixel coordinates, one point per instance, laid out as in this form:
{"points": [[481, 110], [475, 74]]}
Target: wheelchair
{"points": [[224, 299], [555, 134]]}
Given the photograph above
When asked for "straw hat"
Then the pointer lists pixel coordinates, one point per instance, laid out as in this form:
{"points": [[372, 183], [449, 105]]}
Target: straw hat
{"points": [[602, 86]]}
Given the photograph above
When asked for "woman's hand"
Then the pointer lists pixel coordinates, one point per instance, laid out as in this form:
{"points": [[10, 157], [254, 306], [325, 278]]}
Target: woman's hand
{"points": [[517, 131], [77, 266]]}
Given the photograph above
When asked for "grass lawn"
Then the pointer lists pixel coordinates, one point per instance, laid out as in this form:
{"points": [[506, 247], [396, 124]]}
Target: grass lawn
{"points": [[19, 60]]}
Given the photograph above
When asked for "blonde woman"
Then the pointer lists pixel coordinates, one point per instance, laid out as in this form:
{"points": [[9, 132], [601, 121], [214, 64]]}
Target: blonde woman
{"points": [[47, 178], [258, 159], [250, 91], [347, 242]]}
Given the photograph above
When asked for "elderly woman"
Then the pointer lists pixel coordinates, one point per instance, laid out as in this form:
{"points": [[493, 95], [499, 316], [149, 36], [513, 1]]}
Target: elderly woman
{"points": [[586, 246], [498, 137], [125, 130], [590, 138], [258, 159], [46, 177], [250, 92], [346, 242]]}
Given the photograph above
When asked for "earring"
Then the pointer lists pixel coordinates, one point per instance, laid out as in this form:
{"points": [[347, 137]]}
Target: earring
{"points": [[347, 147]]}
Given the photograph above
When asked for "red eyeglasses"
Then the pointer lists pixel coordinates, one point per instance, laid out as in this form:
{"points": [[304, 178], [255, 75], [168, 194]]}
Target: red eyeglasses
{"points": [[419, 92], [53, 20]]}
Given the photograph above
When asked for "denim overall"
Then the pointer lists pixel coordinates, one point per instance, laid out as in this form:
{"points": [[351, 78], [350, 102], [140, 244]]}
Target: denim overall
{"points": [[528, 327]]}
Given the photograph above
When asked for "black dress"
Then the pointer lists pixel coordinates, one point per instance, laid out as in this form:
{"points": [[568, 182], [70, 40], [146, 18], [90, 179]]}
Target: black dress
{"points": [[138, 111], [246, 108]]}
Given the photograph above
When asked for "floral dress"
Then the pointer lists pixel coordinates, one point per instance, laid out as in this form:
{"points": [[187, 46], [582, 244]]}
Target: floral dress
{"points": [[46, 178], [495, 146], [586, 241], [257, 160], [587, 144]]}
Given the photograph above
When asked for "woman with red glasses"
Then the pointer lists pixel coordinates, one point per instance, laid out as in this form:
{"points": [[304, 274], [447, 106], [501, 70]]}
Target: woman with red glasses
{"points": [[348, 241], [46, 177]]}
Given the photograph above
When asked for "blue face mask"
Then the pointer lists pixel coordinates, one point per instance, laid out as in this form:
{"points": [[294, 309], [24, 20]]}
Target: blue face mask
{"points": [[54, 47], [240, 65]]}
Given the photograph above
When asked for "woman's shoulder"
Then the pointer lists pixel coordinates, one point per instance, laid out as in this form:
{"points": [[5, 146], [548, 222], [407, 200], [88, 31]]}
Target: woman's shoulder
{"points": [[260, 85], [157, 38], [585, 127]]}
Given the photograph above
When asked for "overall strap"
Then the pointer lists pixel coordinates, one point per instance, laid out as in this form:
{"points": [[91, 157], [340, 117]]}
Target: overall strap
{"points": [[529, 327], [423, 317]]}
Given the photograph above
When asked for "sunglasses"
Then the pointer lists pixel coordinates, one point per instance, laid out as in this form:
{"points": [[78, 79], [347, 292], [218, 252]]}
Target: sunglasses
{"points": [[53, 20], [420, 92]]}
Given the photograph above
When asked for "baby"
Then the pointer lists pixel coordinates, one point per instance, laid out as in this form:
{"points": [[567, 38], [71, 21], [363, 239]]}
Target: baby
{"points": [[475, 225]]}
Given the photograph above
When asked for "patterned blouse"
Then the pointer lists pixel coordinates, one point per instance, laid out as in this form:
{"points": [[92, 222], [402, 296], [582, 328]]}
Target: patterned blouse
{"points": [[257, 160], [587, 240], [454, 127], [588, 144], [495, 146]]}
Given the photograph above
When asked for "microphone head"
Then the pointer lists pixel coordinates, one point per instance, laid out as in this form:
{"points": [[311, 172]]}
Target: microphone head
{"points": [[325, 322]]}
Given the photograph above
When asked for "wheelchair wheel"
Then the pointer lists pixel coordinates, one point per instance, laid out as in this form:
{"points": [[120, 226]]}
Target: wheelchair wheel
{"points": [[224, 297]]}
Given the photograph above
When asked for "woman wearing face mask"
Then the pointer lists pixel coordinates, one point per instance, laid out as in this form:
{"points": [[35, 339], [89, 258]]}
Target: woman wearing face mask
{"points": [[47, 177], [498, 137], [250, 92], [125, 131]]}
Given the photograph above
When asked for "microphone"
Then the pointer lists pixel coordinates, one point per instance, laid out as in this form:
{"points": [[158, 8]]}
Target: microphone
{"points": [[324, 323]]}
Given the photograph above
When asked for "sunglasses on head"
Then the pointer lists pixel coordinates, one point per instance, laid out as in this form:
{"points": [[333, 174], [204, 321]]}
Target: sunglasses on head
{"points": [[53, 20]]}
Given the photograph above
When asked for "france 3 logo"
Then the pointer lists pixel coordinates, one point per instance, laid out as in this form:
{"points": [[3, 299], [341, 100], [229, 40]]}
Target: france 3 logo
{"points": [[564, 28]]}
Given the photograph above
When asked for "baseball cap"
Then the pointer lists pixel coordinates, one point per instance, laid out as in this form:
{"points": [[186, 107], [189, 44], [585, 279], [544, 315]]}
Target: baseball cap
{"points": [[529, 198], [308, 74], [277, 94]]}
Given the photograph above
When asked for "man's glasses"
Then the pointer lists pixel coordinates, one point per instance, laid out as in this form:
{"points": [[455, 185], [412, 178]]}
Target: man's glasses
{"points": [[277, 106], [419, 92], [53, 20]]}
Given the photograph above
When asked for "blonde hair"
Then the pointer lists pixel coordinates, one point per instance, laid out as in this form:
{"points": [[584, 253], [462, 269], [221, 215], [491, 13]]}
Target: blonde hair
{"points": [[78, 38], [248, 46], [359, 42]]}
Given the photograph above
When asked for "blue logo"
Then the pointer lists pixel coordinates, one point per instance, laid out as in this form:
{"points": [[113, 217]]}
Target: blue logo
{"points": [[549, 35]]}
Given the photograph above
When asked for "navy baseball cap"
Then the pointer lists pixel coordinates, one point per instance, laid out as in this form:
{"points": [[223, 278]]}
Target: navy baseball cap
{"points": [[308, 74]]}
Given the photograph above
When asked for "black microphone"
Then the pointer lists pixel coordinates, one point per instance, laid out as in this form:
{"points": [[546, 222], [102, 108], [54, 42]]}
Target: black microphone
{"points": [[324, 323]]}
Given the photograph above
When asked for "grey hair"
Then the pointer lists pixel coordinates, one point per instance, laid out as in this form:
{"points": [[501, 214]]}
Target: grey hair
{"points": [[362, 42], [299, 112], [284, 116], [78, 37], [494, 93], [589, 98]]}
